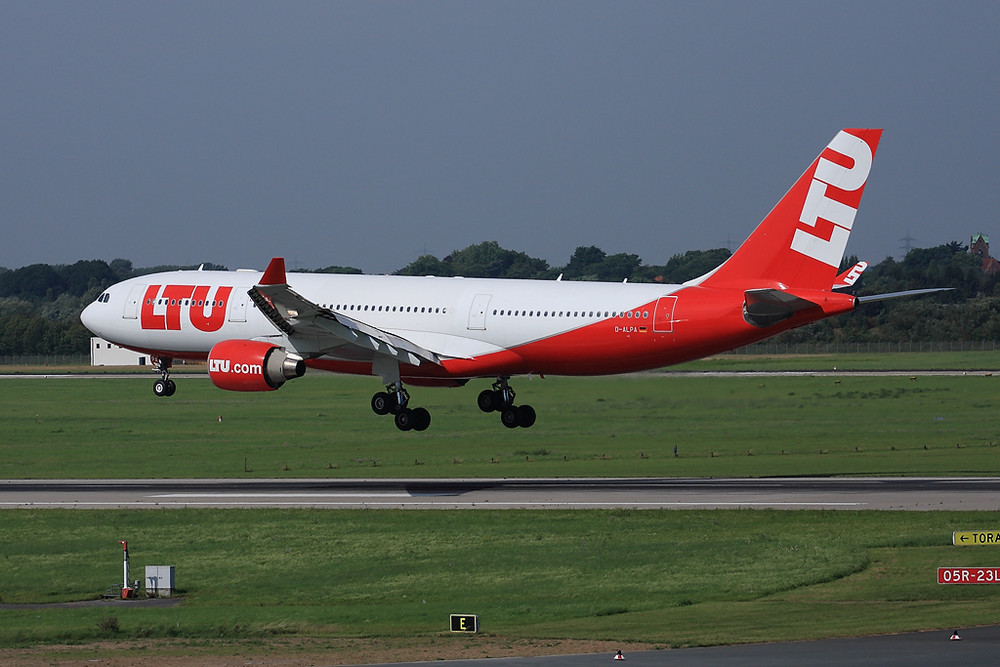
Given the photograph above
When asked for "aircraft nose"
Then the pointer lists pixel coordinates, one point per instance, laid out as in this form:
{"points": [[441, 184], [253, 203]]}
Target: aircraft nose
{"points": [[90, 318]]}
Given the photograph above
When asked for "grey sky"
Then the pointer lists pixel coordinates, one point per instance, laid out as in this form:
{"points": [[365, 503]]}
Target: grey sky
{"points": [[369, 133]]}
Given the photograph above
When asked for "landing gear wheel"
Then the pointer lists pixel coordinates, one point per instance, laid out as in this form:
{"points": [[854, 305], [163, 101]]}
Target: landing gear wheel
{"points": [[501, 399], [487, 400], [382, 403], [164, 386], [421, 419], [405, 420], [394, 401], [510, 417], [525, 416]]}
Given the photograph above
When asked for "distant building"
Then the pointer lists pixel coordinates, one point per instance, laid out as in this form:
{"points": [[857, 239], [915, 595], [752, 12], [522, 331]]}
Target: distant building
{"points": [[980, 247], [103, 353]]}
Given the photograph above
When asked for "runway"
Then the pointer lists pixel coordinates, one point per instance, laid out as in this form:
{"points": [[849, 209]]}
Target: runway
{"points": [[867, 493], [977, 646]]}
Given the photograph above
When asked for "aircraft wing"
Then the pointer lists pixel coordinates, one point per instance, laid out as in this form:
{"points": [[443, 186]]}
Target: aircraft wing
{"points": [[323, 330]]}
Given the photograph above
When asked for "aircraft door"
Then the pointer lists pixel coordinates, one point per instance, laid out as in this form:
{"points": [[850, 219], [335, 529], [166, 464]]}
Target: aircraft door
{"points": [[477, 314], [238, 306], [663, 316], [131, 309]]}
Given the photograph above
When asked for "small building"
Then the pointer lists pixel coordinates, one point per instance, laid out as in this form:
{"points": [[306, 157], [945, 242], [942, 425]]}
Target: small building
{"points": [[103, 353], [159, 581], [980, 246]]}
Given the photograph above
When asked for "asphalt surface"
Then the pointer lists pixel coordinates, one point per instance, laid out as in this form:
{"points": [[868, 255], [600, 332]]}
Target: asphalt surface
{"points": [[977, 646], [882, 493]]}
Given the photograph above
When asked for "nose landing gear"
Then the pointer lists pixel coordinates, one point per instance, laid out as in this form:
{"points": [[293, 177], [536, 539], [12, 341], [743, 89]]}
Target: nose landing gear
{"points": [[164, 386]]}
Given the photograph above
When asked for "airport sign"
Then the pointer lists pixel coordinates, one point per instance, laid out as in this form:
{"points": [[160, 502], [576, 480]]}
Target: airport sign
{"points": [[973, 538], [968, 575], [464, 623]]}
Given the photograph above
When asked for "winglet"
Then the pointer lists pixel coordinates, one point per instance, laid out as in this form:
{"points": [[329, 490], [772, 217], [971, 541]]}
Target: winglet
{"points": [[275, 273]]}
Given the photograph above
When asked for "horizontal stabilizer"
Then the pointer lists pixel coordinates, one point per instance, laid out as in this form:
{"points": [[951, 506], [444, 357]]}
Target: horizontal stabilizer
{"points": [[896, 295], [767, 307]]}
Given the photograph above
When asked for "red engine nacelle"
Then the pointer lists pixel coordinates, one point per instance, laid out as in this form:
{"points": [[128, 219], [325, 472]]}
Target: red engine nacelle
{"points": [[249, 365]]}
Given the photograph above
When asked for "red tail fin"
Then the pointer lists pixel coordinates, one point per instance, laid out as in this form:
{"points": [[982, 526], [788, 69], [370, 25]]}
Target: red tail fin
{"points": [[801, 241]]}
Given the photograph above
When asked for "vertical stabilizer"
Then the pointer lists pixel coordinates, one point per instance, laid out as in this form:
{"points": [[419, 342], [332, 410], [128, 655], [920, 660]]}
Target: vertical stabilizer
{"points": [[801, 241]]}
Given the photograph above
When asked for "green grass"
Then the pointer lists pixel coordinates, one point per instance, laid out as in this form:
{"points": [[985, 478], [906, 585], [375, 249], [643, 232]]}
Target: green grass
{"points": [[960, 360], [969, 361], [321, 426], [663, 577]]}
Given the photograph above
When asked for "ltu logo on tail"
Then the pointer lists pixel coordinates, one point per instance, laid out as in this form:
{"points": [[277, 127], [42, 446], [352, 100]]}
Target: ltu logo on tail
{"points": [[819, 206]]}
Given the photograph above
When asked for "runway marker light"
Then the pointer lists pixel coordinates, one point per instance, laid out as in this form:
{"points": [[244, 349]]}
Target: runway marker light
{"points": [[619, 656], [954, 636]]}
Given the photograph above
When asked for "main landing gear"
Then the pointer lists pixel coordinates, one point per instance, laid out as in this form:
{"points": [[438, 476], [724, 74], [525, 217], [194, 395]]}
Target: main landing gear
{"points": [[164, 386], [394, 401], [501, 399]]}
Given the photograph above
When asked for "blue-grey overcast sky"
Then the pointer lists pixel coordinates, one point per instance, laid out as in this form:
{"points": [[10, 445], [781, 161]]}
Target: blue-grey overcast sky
{"points": [[369, 133]]}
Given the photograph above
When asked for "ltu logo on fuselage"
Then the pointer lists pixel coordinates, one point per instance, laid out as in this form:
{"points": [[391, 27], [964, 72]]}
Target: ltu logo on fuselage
{"points": [[819, 206], [163, 310]]}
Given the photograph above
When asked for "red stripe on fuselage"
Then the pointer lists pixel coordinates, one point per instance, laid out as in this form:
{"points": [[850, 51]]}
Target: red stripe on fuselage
{"points": [[705, 321]]}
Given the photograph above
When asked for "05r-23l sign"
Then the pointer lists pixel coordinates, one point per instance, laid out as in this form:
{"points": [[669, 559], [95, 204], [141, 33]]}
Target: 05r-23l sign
{"points": [[969, 575]]}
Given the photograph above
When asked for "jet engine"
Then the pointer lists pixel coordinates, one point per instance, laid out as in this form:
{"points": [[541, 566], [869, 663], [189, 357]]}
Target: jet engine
{"points": [[249, 365]]}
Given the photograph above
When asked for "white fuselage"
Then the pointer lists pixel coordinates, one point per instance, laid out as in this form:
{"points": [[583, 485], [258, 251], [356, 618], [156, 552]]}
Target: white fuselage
{"points": [[183, 314]]}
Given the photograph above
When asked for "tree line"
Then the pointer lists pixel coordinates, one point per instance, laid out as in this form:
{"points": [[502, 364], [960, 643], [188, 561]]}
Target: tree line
{"points": [[40, 304]]}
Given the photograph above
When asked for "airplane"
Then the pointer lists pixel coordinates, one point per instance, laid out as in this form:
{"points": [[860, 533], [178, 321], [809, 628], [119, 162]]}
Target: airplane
{"points": [[258, 330]]}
